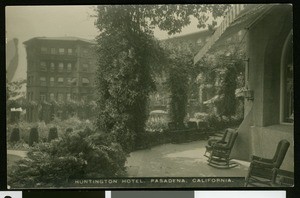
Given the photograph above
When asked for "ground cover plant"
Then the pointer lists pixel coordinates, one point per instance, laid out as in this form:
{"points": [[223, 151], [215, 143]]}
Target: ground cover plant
{"points": [[79, 154]]}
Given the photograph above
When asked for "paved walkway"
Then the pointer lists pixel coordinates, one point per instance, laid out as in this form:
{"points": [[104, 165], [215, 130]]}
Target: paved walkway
{"points": [[178, 160], [171, 160], [17, 153]]}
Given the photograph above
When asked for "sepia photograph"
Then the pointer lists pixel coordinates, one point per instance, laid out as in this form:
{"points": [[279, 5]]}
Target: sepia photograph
{"points": [[149, 96]]}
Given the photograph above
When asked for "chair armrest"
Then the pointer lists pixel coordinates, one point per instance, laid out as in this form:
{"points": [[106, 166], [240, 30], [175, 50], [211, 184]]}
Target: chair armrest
{"points": [[220, 146], [284, 173], [282, 177], [256, 158], [262, 164]]}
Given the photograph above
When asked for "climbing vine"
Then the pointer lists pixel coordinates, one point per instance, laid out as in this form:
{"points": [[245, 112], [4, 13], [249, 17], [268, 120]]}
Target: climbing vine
{"points": [[127, 56]]}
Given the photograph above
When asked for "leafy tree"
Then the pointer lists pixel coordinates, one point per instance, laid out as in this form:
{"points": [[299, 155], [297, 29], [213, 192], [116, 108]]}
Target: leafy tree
{"points": [[127, 56], [229, 74], [15, 96], [227, 103], [181, 75], [14, 88]]}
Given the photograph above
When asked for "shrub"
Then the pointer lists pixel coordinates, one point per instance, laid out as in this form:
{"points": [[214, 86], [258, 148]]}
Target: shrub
{"points": [[69, 130], [201, 116], [33, 136], [80, 154], [52, 134], [217, 123], [20, 145], [43, 128], [15, 135], [156, 125]]}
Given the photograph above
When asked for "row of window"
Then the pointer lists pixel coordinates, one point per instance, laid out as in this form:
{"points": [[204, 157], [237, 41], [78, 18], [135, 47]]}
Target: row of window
{"points": [[61, 67], [52, 50], [61, 81], [60, 50], [60, 96], [56, 96]]}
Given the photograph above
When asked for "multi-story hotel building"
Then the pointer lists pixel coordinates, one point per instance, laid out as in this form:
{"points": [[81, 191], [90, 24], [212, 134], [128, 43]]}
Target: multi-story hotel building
{"points": [[60, 69]]}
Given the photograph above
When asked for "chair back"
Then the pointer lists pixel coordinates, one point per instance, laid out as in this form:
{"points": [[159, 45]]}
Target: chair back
{"points": [[226, 135], [280, 153], [232, 138]]}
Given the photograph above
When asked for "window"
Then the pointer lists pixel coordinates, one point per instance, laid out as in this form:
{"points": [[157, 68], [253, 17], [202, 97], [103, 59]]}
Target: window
{"points": [[43, 81], [60, 80], [68, 96], [52, 96], [43, 66], [73, 82], [85, 51], [60, 67], [60, 97], [69, 67], [287, 82], [52, 81], [85, 67], [288, 94], [44, 50], [52, 67], [61, 50], [70, 51], [74, 96], [52, 51], [69, 81], [42, 96], [85, 82]]}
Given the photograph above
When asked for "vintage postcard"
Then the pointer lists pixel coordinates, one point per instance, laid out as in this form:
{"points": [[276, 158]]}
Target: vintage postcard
{"points": [[149, 96]]}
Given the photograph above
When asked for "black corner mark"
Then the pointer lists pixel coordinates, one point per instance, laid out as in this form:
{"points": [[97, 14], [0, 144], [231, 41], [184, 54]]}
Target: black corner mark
{"points": [[7, 197]]}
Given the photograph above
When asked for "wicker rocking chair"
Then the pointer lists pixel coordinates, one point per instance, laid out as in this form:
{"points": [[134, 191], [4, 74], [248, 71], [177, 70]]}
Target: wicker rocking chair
{"points": [[220, 153], [223, 140], [261, 170]]}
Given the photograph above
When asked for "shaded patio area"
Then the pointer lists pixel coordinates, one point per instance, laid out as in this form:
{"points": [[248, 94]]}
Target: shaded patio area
{"points": [[178, 160]]}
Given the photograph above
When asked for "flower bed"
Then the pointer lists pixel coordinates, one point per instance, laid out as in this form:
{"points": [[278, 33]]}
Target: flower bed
{"points": [[43, 130]]}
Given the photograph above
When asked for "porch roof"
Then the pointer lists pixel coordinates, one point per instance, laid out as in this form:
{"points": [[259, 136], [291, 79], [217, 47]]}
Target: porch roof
{"points": [[240, 16]]}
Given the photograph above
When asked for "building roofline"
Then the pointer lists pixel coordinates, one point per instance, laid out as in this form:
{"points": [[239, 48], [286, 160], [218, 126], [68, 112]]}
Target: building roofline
{"points": [[67, 38], [186, 35]]}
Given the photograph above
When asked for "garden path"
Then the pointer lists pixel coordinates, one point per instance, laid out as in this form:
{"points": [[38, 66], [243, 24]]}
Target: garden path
{"points": [[17, 153], [178, 160]]}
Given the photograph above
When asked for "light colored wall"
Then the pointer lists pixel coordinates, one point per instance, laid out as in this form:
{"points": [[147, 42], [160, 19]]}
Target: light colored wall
{"points": [[265, 42], [265, 139], [260, 134]]}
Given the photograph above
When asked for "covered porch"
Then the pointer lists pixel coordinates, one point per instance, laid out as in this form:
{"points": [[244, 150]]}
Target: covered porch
{"points": [[269, 102]]}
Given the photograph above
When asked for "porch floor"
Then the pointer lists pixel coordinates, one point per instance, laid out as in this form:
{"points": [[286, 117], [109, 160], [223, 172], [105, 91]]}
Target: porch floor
{"points": [[178, 160]]}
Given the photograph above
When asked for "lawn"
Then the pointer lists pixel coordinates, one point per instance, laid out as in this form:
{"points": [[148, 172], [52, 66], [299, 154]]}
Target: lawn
{"points": [[11, 160]]}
